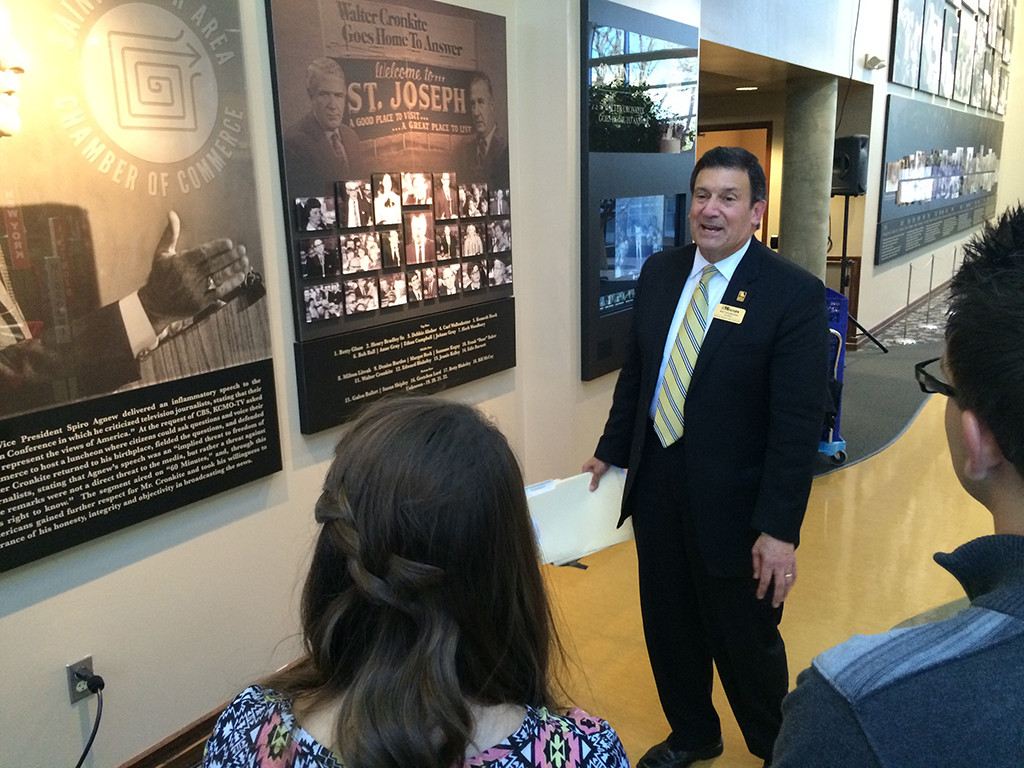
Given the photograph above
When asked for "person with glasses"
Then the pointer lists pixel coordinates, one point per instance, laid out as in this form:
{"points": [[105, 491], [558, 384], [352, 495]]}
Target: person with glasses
{"points": [[948, 692]]}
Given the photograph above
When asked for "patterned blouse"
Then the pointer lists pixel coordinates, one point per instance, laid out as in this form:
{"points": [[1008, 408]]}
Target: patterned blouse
{"points": [[258, 730]]}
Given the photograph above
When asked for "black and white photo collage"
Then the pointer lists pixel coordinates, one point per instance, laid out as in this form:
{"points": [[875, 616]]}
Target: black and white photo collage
{"points": [[401, 239]]}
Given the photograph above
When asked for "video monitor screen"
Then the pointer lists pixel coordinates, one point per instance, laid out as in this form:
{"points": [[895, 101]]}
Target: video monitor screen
{"points": [[633, 229]]}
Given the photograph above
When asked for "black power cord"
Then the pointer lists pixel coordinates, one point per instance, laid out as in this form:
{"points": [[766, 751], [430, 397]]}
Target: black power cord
{"points": [[95, 684]]}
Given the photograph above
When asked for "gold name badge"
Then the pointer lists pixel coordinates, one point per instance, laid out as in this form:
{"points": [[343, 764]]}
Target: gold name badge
{"points": [[729, 313]]}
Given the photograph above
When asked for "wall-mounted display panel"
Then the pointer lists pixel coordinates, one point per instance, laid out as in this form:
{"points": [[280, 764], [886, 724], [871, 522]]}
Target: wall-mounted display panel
{"points": [[941, 175], [638, 126], [956, 50]]}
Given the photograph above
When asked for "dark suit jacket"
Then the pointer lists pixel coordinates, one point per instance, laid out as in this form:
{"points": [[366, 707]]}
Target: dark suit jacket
{"points": [[493, 169], [311, 167], [444, 207], [365, 212], [98, 359], [428, 251], [755, 406]]}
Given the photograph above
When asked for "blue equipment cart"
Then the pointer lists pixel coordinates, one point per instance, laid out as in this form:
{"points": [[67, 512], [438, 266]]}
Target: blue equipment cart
{"points": [[831, 443]]}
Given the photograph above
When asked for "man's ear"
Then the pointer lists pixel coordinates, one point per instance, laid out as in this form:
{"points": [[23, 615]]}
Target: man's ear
{"points": [[757, 212], [982, 452]]}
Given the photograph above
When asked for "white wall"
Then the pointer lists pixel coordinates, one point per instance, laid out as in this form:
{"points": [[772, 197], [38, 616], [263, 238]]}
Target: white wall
{"points": [[810, 33]]}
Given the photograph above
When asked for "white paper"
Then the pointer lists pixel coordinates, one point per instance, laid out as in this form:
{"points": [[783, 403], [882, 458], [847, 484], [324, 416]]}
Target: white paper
{"points": [[571, 522]]}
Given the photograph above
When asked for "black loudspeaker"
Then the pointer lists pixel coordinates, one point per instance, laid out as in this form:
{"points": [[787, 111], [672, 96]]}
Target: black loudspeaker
{"points": [[850, 166]]}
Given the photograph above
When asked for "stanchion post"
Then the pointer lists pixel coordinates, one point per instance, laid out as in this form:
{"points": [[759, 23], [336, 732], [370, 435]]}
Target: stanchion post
{"points": [[906, 309], [928, 324]]}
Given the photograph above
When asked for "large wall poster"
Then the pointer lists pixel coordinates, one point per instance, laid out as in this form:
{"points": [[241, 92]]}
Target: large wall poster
{"points": [[393, 125], [135, 370], [941, 175]]}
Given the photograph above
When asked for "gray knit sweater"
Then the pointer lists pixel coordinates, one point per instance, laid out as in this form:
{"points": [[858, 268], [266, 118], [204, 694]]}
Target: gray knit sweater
{"points": [[949, 693]]}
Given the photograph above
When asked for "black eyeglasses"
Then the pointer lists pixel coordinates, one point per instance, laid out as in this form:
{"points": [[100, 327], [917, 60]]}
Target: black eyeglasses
{"points": [[931, 383]]}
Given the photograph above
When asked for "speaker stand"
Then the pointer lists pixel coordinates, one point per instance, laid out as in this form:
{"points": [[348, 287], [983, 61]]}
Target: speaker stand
{"points": [[844, 274]]}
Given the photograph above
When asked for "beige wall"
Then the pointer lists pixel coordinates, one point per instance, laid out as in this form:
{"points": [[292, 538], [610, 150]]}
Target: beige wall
{"points": [[1011, 175]]}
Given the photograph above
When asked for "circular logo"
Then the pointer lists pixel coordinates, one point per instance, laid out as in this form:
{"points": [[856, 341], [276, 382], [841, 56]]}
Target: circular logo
{"points": [[150, 83]]}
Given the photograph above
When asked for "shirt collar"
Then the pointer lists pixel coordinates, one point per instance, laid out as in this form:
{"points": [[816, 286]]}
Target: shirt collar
{"points": [[726, 267]]}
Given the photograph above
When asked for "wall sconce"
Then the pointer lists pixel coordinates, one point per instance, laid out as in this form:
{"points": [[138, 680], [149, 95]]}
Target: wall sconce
{"points": [[873, 62]]}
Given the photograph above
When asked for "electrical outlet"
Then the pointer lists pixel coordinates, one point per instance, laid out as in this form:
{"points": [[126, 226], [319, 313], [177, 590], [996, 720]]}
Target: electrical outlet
{"points": [[77, 688]]}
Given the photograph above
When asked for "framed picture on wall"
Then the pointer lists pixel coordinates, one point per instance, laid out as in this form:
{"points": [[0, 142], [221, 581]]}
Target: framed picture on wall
{"points": [[908, 31], [932, 46], [965, 57], [137, 373], [947, 67]]}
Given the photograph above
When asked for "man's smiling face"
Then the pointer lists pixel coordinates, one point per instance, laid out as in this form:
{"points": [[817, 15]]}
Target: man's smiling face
{"points": [[722, 217]]}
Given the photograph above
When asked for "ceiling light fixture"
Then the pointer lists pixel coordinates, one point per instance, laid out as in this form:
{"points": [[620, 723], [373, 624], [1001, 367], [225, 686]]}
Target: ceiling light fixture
{"points": [[747, 88]]}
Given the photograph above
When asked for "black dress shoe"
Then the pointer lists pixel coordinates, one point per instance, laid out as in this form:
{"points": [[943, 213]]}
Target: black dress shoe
{"points": [[663, 756]]}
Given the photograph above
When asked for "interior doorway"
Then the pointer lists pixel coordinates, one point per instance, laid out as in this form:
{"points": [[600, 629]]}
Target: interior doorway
{"points": [[755, 138]]}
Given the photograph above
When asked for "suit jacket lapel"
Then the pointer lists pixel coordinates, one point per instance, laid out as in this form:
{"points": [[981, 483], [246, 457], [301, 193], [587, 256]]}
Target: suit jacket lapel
{"points": [[718, 332]]}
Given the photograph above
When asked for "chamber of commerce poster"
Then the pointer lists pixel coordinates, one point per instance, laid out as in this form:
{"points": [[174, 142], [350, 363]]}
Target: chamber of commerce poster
{"points": [[393, 126], [135, 361]]}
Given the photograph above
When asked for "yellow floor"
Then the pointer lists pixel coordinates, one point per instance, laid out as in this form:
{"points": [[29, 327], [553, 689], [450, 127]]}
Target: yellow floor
{"points": [[864, 564]]}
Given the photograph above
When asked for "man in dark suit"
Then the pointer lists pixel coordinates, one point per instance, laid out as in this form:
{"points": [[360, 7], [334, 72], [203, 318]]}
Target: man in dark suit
{"points": [[420, 247], [445, 202], [720, 463], [320, 149], [358, 209], [484, 156]]}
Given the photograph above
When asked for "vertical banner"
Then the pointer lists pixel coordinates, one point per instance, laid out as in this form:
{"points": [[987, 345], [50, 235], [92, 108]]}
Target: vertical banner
{"points": [[135, 360], [393, 125]]}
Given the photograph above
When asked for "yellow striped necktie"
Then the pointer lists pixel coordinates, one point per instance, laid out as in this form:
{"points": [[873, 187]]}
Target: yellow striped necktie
{"points": [[668, 415]]}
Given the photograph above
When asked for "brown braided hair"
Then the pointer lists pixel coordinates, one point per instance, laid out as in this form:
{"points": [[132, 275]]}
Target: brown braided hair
{"points": [[424, 595]]}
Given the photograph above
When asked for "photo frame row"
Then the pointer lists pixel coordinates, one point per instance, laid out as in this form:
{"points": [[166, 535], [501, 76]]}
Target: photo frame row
{"points": [[420, 240], [384, 198], [368, 293], [959, 51]]}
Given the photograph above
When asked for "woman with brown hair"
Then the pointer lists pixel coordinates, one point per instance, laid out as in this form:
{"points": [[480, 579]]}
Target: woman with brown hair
{"points": [[427, 629]]}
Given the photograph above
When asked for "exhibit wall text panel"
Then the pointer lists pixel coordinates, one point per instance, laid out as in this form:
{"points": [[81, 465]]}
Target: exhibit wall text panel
{"points": [[941, 175]]}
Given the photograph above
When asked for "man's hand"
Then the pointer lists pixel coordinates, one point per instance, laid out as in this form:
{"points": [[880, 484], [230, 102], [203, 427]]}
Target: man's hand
{"points": [[596, 468], [180, 285], [774, 561]]}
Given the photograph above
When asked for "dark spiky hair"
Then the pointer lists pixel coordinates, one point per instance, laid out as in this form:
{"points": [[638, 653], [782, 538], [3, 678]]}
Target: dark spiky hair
{"points": [[985, 332]]}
